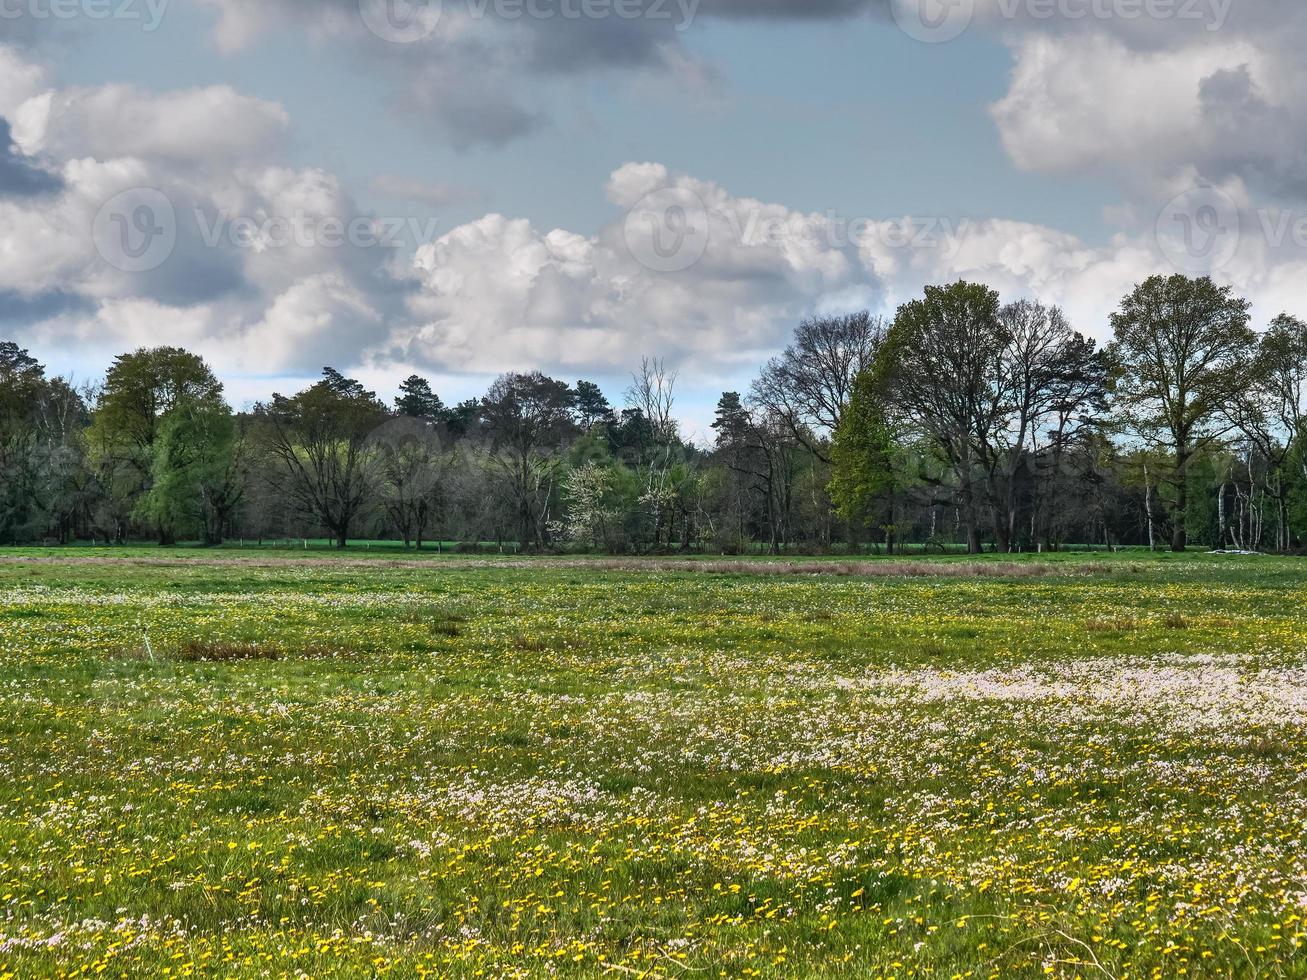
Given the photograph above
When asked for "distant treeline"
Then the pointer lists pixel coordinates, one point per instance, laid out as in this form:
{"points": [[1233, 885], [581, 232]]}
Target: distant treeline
{"points": [[963, 421]]}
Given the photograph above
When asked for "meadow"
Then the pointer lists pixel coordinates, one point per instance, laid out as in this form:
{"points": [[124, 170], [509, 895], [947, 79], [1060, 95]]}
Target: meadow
{"points": [[269, 764]]}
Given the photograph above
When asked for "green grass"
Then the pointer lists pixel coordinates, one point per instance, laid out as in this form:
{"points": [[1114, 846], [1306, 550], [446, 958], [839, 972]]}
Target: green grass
{"points": [[279, 765]]}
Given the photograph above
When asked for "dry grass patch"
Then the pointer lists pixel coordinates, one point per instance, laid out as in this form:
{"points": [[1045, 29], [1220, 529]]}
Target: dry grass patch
{"points": [[1112, 624], [529, 644], [437, 621], [222, 651], [869, 569]]}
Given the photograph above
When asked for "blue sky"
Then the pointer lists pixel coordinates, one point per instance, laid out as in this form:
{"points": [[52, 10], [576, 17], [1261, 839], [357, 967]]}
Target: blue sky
{"points": [[1051, 150], [851, 115]]}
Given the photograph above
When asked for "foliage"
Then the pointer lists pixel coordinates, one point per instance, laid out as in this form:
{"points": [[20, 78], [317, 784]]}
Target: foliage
{"points": [[863, 456], [968, 422], [1183, 349], [196, 478]]}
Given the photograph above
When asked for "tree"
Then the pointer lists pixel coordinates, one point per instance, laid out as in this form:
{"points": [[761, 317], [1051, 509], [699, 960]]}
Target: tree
{"points": [[731, 448], [652, 395], [22, 388], [462, 419], [417, 401], [140, 390], [1272, 412], [411, 469], [760, 450], [321, 438], [65, 485], [810, 384], [940, 364], [528, 420], [592, 407], [776, 462], [863, 477], [1049, 378], [1184, 350], [197, 477], [591, 516]]}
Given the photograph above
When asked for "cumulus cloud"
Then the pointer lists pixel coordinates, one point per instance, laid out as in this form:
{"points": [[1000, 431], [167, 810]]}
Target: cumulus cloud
{"points": [[263, 265], [1093, 104], [500, 293], [213, 126]]}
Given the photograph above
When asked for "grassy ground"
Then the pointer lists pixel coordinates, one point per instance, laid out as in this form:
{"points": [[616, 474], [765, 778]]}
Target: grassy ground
{"points": [[456, 767]]}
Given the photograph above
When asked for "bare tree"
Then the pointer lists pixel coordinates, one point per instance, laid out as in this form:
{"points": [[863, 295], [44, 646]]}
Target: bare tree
{"points": [[528, 420], [1272, 410], [1049, 376], [808, 387], [653, 395], [942, 364], [322, 438], [411, 470]]}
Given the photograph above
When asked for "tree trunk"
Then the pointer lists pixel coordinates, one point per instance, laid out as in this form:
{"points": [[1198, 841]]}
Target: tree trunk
{"points": [[1180, 533], [1002, 532], [1148, 509], [1220, 518]]}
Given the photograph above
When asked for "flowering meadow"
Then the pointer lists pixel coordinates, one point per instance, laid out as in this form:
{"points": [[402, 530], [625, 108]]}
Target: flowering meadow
{"points": [[284, 766]]}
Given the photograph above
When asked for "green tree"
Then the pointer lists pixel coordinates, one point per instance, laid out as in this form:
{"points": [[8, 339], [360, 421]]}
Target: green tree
{"points": [[197, 480], [941, 367], [592, 407], [322, 438], [863, 480], [22, 389], [417, 401], [528, 422], [1183, 351], [140, 390], [463, 418]]}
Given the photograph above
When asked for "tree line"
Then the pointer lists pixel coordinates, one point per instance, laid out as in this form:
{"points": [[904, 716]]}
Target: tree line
{"points": [[961, 422]]}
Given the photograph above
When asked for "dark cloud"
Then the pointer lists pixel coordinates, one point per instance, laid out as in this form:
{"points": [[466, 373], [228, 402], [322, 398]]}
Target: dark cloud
{"points": [[1250, 137], [481, 85], [19, 175], [488, 115], [17, 309]]}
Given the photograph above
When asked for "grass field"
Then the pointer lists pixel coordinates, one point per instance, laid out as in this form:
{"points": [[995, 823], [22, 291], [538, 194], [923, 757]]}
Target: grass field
{"points": [[275, 765]]}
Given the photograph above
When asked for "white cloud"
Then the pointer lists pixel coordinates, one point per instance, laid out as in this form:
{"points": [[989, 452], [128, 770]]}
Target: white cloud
{"points": [[1093, 105], [213, 126], [20, 80], [500, 293]]}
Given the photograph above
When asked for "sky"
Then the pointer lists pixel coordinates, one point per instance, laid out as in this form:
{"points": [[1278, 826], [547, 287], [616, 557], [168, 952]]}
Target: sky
{"points": [[459, 188]]}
